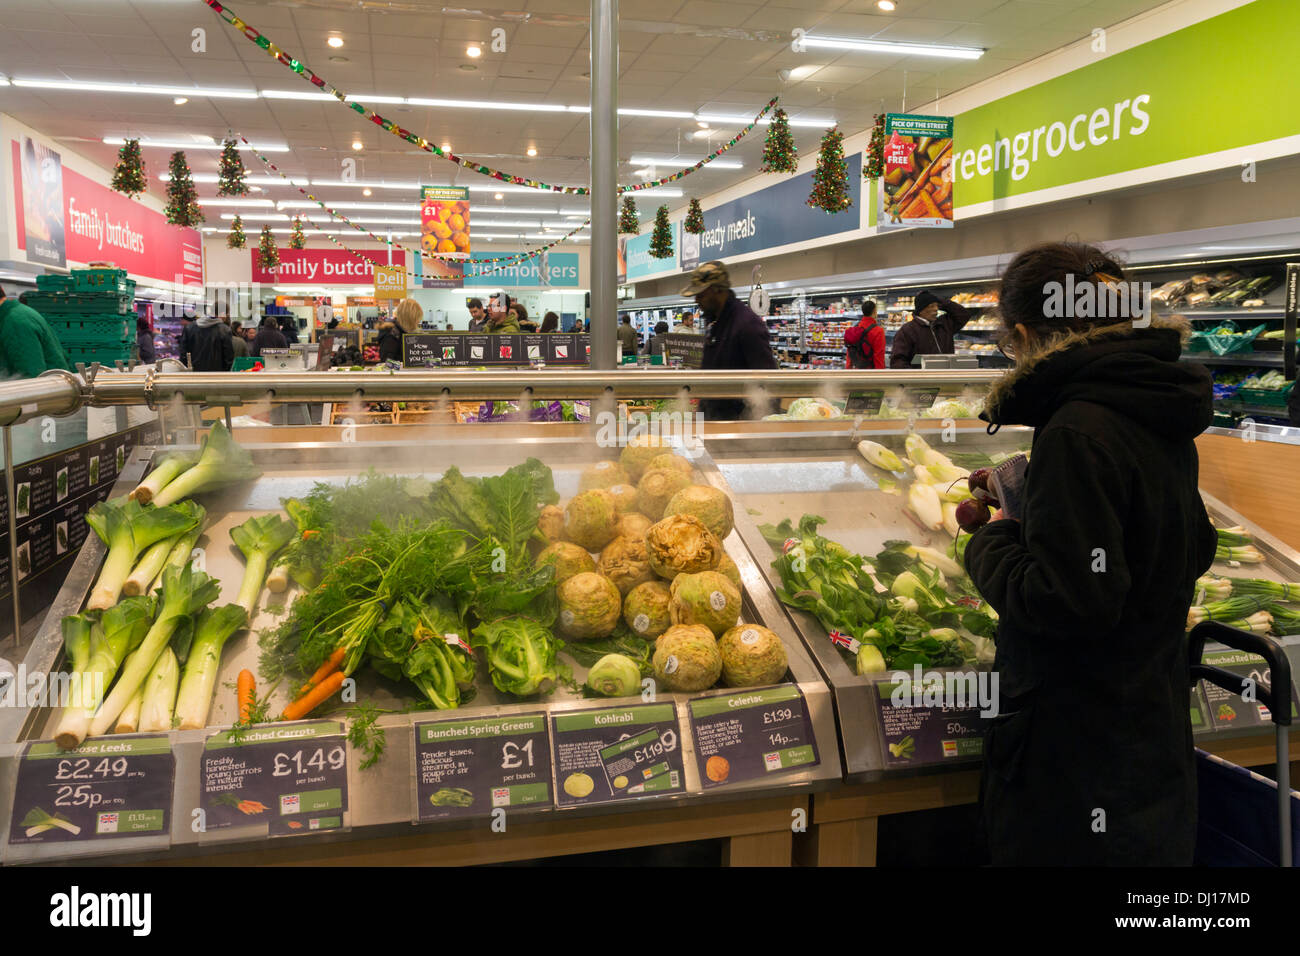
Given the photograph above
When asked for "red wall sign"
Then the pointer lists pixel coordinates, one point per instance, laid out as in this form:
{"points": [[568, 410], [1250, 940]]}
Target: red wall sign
{"points": [[100, 225], [323, 266]]}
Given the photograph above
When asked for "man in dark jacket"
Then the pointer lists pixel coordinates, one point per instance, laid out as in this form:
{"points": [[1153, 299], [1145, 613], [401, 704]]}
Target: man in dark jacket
{"points": [[212, 349], [928, 332], [1090, 759], [734, 338], [268, 337]]}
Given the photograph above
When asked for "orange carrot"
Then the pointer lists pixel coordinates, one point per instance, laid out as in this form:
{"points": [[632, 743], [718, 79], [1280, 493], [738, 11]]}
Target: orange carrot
{"points": [[332, 663], [314, 698], [246, 686]]}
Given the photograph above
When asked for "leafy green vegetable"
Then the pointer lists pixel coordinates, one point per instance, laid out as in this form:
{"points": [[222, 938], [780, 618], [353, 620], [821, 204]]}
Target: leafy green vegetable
{"points": [[24, 497], [520, 655], [260, 538], [622, 641]]}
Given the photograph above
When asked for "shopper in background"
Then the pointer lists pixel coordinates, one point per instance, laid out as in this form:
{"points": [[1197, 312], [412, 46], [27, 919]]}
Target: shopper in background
{"points": [[1092, 578], [144, 341], [579, 325], [28, 346], [289, 328], [550, 323], [735, 336], [928, 332], [406, 318], [477, 317], [237, 339], [503, 322], [687, 324], [212, 349], [520, 312], [656, 344], [185, 339], [268, 337], [865, 342], [627, 336]]}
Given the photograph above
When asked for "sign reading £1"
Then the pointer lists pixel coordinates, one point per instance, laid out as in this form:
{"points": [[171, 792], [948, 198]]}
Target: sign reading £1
{"points": [[390, 282]]}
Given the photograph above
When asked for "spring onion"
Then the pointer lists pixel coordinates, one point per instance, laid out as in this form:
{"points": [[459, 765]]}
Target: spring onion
{"points": [[1230, 609]]}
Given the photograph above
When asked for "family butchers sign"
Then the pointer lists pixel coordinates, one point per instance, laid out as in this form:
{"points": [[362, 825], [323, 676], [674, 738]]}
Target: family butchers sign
{"points": [[326, 266]]}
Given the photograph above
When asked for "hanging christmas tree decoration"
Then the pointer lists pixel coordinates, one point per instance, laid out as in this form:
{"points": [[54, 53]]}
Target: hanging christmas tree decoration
{"points": [[266, 247], [629, 222], [694, 218], [129, 175], [297, 240], [661, 240], [875, 166], [230, 177], [831, 177], [779, 152], [236, 239], [182, 198]]}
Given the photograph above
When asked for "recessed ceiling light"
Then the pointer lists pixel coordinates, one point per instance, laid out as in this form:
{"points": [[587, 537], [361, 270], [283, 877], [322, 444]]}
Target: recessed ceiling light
{"points": [[499, 196], [468, 67], [180, 100], [254, 189], [335, 42], [473, 52], [366, 191], [701, 124], [532, 150], [357, 144], [339, 59], [446, 147], [801, 72], [886, 5]]}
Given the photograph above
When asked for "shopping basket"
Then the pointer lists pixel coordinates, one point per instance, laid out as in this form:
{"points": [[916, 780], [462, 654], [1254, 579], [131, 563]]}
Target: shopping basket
{"points": [[1234, 820]]}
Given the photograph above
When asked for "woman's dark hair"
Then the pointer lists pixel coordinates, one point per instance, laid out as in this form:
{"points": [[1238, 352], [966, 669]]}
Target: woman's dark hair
{"points": [[268, 322], [661, 328], [868, 308], [141, 324], [550, 322], [521, 313], [1035, 282]]}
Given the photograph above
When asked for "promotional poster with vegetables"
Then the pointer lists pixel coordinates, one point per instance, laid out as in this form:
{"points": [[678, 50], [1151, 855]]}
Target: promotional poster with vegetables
{"points": [[917, 186], [444, 220]]}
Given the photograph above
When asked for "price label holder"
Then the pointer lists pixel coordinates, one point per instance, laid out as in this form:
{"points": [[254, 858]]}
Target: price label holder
{"points": [[108, 789], [1228, 711], [621, 753], [291, 778], [864, 401], [468, 768], [916, 730], [742, 735], [919, 398]]}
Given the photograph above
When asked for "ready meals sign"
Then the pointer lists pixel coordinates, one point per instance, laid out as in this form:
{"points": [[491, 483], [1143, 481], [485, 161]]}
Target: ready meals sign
{"points": [[1170, 107], [325, 266]]}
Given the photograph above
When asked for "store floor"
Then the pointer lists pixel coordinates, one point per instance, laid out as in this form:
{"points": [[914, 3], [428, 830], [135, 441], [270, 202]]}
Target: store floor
{"points": [[947, 837]]}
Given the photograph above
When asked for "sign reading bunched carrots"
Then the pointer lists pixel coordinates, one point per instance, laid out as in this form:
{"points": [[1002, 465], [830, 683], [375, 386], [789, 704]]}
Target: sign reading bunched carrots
{"points": [[916, 188]]}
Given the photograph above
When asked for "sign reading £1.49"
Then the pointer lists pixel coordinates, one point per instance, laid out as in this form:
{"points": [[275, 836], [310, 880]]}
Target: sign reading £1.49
{"points": [[390, 282]]}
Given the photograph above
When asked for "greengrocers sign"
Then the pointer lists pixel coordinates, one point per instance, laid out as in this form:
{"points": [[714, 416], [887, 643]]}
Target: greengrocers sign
{"points": [[1178, 97]]}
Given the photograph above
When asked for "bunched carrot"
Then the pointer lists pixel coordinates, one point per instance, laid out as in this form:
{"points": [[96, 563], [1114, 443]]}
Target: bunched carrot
{"points": [[332, 663], [246, 690], [314, 698]]}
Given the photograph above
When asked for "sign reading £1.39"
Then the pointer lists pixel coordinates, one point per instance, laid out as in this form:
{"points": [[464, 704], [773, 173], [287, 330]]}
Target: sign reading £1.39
{"points": [[390, 282]]}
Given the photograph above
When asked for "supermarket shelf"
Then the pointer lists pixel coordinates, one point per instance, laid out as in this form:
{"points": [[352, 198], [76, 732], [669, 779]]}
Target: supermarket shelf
{"points": [[1205, 315], [1252, 358]]}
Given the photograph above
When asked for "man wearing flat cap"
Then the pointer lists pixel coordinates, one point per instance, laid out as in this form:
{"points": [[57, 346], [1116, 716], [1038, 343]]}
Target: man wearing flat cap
{"points": [[928, 333], [734, 336]]}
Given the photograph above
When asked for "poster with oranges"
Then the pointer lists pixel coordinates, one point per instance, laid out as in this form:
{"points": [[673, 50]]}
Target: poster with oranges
{"points": [[444, 220]]}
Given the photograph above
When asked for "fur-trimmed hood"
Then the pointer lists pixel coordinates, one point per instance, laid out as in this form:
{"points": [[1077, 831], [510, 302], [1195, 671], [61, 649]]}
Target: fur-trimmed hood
{"points": [[1135, 371]]}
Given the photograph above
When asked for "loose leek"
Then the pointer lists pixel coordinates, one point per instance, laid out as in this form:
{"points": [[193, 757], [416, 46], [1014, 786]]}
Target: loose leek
{"points": [[155, 557], [164, 472], [159, 698], [213, 627], [129, 719], [222, 462], [260, 539], [112, 636], [128, 528], [181, 554]]}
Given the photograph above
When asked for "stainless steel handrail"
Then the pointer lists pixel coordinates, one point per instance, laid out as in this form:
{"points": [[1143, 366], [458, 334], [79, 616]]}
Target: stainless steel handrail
{"points": [[63, 393]]}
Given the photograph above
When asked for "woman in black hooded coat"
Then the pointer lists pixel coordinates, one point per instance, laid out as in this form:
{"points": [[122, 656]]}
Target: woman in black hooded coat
{"points": [[1090, 760]]}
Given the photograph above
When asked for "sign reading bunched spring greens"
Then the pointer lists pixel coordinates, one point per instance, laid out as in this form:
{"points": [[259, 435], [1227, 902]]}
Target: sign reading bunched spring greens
{"points": [[616, 754], [468, 768], [292, 778], [753, 733], [116, 787]]}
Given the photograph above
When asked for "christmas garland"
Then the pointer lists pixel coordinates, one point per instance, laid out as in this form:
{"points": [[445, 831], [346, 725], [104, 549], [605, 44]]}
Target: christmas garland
{"points": [[419, 141], [506, 261]]}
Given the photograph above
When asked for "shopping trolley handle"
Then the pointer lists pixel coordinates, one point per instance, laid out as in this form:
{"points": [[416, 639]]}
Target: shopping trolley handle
{"points": [[1274, 655]]}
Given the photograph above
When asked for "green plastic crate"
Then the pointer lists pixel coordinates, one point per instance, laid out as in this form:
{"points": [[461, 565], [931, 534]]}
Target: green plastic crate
{"points": [[244, 363], [116, 327], [56, 283], [79, 303], [103, 354], [104, 280], [1272, 397]]}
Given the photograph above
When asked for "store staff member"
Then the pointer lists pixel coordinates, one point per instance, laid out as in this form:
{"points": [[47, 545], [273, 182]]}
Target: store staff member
{"points": [[928, 332], [735, 337], [28, 346]]}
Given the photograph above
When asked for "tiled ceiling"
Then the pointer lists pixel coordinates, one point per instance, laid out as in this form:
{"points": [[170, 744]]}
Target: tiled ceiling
{"points": [[721, 57]]}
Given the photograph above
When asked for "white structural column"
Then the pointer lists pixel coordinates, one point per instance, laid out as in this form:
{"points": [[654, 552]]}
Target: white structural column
{"points": [[604, 182]]}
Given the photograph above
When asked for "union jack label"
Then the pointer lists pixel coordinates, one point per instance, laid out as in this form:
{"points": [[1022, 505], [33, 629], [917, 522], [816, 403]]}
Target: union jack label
{"points": [[846, 641]]}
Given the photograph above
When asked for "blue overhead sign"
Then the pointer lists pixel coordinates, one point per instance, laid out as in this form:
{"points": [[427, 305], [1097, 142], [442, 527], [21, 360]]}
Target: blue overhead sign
{"points": [[550, 270]]}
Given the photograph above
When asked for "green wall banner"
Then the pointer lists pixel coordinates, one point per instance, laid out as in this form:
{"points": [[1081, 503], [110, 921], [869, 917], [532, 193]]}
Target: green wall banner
{"points": [[1223, 84]]}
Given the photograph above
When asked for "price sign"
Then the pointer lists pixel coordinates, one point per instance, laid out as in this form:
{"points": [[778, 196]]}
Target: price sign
{"points": [[748, 734], [919, 398], [1229, 711], [468, 768], [292, 778], [918, 735], [617, 754], [106, 788], [864, 402]]}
